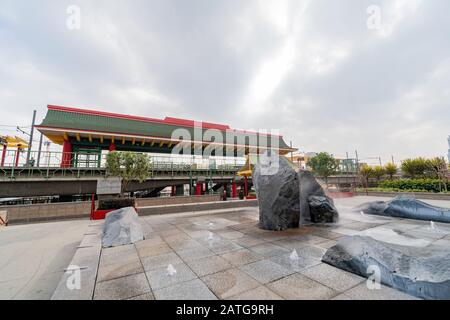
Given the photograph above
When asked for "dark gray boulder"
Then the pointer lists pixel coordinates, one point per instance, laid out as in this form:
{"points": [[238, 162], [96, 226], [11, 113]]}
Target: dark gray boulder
{"points": [[322, 209], [286, 196], [122, 227], [408, 207], [422, 272], [276, 184]]}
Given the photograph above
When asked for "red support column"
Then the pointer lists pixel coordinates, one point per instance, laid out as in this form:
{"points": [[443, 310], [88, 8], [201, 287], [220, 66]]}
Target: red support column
{"points": [[172, 192], [234, 193], [245, 186], [198, 189], [5, 146], [16, 163], [112, 147], [66, 160]]}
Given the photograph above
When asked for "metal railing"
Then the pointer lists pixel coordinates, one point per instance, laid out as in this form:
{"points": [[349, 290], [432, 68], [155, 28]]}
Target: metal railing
{"points": [[47, 165]]}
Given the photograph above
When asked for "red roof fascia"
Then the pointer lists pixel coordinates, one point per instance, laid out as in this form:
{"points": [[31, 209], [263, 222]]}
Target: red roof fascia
{"points": [[167, 120]]}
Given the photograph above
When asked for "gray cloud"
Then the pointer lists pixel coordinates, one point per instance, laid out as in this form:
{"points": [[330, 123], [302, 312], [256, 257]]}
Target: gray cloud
{"points": [[311, 69]]}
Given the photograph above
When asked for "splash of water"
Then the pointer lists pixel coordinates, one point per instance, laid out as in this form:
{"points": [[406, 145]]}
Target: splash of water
{"points": [[210, 236], [294, 255], [432, 225], [211, 225], [171, 271], [362, 213]]}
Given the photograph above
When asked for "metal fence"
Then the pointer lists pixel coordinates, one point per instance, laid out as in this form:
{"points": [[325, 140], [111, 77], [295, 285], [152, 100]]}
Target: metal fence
{"points": [[16, 159]]}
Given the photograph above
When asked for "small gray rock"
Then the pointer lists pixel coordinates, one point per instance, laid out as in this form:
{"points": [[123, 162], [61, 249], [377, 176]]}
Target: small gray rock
{"points": [[322, 209], [122, 227]]}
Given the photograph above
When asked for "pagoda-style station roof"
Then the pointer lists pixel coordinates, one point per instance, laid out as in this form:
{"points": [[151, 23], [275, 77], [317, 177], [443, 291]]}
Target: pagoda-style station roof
{"points": [[89, 128]]}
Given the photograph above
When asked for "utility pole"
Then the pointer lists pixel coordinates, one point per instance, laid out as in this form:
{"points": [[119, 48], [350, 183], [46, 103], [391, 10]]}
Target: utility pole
{"points": [[30, 144], [346, 163], [39, 152], [393, 162], [292, 153], [379, 158]]}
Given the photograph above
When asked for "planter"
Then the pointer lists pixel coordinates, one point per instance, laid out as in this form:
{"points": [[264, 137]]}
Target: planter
{"points": [[100, 214]]}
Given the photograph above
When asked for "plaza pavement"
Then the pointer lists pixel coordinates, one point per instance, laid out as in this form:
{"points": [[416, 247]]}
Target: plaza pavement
{"points": [[33, 257], [221, 255]]}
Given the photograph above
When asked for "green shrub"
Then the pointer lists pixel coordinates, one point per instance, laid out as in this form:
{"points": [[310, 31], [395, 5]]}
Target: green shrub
{"points": [[114, 204], [417, 185]]}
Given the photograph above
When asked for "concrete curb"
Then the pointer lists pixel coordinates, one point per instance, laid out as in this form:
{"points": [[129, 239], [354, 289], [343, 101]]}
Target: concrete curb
{"points": [[195, 207], [87, 258]]}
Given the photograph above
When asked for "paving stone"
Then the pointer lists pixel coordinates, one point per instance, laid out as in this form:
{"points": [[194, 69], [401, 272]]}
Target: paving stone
{"points": [[122, 288], [299, 287], [346, 231], [185, 245], [118, 251], [119, 269], [225, 247], [194, 254], [145, 296], [310, 239], [360, 226], [268, 249], [342, 296], [156, 262], [159, 278], [327, 244], [208, 265], [241, 257], [231, 234], [290, 243], [361, 292], [153, 250], [295, 265], [260, 293], [266, 271], [330, 235], [310, 251], [332, 277], [229, 283], [190, 290], [249, 241], [118, 257]]}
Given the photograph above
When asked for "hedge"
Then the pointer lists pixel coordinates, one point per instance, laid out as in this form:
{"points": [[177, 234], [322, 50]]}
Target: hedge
{"points": [[426, 185]]}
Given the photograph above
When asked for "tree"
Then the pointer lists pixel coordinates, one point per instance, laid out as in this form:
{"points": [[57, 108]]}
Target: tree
{"points": [[440, 170], [416, 168], [366, 172], [391, 170], [378, 172], [129, 166], [324, 165]]}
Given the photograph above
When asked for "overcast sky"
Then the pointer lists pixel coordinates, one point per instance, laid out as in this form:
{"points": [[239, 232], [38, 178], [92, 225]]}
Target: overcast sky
{"points": [[312, 69]]}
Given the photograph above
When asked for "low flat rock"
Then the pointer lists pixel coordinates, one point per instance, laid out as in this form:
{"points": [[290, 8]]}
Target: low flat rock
{"points": [[122, 227], [422, 272], [407, 207]]}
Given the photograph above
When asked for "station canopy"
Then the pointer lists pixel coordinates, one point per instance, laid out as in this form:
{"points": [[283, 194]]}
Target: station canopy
{"points": [[94, 129]]}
